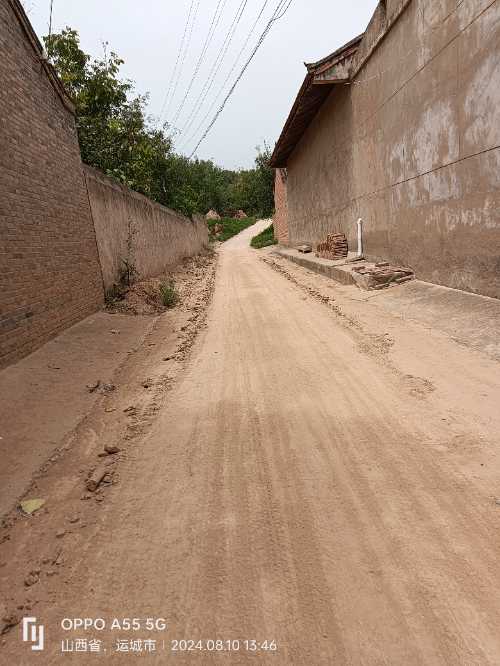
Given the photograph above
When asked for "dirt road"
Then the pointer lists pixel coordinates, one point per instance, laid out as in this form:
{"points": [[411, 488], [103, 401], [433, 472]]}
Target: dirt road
{"points": [[301, 486]]}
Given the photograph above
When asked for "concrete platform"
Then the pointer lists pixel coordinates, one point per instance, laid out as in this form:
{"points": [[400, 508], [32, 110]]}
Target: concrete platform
{"points": [[337, 270], [472, 320], [44, 396]]}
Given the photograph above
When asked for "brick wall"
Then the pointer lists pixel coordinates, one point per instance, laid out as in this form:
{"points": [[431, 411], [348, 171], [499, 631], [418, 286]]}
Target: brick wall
{"points": [[49, 270], [160, 237], [280, 220]]}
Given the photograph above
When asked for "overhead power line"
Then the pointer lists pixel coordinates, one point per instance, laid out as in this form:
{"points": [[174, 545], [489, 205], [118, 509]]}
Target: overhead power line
{"points": [[221, 89], [216, 66], [50, 18], [208, 40], [168, 97], [280, 10], [186, 49]]}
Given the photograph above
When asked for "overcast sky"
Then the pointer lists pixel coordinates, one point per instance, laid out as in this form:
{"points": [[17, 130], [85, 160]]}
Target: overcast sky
{"points": [[148, 34]]}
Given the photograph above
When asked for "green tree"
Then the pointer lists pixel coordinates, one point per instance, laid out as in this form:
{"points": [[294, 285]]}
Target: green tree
{"points": [[252, 189], [117, 137], [265, 181]]}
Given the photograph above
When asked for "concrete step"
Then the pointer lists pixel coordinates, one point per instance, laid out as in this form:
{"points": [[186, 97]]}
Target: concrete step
{"points": [[339, 270]]}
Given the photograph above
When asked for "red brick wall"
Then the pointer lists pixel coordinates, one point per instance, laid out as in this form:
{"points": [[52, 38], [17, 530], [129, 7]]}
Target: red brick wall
{"points": [[281, 209], [49, 269]]}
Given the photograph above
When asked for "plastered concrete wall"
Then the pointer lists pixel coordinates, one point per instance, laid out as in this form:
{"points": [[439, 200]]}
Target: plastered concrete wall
{"points": [[160, 236], [280, 220], [49, 270], [413, 147]]}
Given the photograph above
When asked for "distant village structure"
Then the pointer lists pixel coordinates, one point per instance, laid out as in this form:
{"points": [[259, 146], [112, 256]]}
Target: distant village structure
{"points": [[401, 127]]}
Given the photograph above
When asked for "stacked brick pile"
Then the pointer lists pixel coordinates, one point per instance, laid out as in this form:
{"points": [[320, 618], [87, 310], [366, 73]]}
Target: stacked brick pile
{"points": [[335, 247], [380, 275]]}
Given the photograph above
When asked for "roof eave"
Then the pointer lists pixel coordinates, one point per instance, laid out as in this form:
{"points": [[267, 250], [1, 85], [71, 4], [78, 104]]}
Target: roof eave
{"points": [[317, 78], [275, 161], [338, 53]]}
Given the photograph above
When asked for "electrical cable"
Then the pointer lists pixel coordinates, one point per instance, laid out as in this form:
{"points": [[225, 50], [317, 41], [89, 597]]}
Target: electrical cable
{"points": [[50, 18], [282, 7], [188, 43], [208, 40], [221, 89], [216, 66], [174, 71]]}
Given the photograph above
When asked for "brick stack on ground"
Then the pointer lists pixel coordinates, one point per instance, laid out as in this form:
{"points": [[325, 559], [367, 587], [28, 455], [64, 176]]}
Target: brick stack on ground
{"points": [[381, 275], [335, 247]]}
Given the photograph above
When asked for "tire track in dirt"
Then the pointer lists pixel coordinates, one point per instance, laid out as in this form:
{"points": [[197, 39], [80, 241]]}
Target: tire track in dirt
{"points": [[291, 489]]}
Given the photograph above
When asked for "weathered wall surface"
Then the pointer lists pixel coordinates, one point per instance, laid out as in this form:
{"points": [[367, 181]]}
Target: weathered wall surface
{"points": [[49, 276], [160, 237], [280, 220], [413, 147]]}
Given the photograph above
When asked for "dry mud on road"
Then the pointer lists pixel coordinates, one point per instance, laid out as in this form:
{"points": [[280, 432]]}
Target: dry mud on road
{"points": [[309, 481]]}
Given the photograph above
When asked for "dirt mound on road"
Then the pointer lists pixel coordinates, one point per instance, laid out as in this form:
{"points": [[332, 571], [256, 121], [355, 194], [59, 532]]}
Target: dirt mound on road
{"points": [[145, 297]]}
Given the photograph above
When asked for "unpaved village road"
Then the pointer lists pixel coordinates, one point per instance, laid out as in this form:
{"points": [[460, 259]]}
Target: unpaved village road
{"points": [[300, 487]]}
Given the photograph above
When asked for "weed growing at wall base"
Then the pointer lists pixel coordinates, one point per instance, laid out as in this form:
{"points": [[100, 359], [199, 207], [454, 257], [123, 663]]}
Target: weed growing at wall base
{"points": [[169, 295], [128, 270]]}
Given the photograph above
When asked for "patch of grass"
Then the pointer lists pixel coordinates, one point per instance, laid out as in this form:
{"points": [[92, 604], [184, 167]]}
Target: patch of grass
{"points": [[169, 295], [264, 239], [230, 227]]}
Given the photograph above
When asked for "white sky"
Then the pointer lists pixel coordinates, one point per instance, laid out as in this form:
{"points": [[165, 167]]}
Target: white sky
{"points": [[147, 36]]}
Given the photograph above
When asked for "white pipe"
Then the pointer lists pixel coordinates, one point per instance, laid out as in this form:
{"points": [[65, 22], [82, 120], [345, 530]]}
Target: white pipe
{"points": [[360, 237]]}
